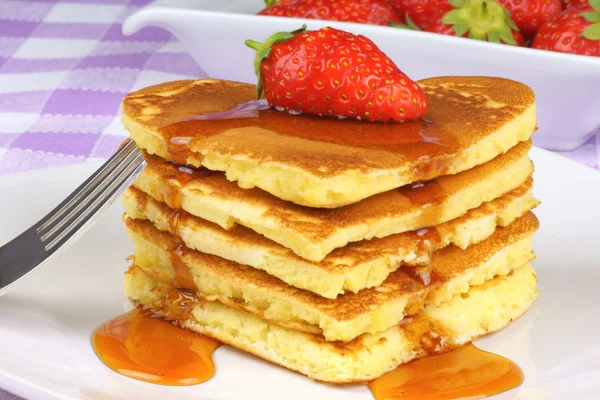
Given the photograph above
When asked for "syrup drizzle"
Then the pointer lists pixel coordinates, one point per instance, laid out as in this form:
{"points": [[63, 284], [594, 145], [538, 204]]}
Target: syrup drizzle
{"points": [[143, 346], [183, 277], [464, 373], [424, 141]]}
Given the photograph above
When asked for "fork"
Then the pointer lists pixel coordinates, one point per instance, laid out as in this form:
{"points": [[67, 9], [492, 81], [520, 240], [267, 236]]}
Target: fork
{"points": [[69, 220]]}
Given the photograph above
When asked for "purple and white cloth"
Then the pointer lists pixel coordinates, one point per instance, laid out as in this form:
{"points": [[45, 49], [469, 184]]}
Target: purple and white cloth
{"points": [[64, 68]]}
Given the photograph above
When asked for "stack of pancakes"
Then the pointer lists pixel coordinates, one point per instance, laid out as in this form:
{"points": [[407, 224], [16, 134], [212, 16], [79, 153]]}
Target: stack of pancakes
{"points": [[336, 248]]}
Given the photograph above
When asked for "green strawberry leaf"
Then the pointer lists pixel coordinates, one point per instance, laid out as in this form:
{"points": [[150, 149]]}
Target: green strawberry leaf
{"points": [[591, 16], [460, 29], [595, 4], [507, 36], [399, 25], [510, 22], [410, 24], [458, 3], [494, 37], [263, 50], [269, 3], [451, 17], [592, 32]]}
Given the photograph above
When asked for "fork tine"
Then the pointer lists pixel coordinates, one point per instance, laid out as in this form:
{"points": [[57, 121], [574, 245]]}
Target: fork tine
{"points": [[90, 184], [82, 199], [77, 223]]}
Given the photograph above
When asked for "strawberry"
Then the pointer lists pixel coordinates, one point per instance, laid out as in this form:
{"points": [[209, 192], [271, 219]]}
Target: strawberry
{"points": [[419, 12], [576, 30], [576, 3], [530, 15], [330, 72], [477, 19], [376, 12]]}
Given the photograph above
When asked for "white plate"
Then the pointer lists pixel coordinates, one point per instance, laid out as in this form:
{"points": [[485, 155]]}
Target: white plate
{"points": [[567, 86], [46, 322]]}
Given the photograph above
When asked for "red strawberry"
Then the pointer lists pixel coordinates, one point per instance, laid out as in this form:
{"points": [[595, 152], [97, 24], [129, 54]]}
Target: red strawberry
{"points": [[419, 12], [376, 12], [576, 3], [477, 19], [576, 30], [530, 15], [334, 73]]}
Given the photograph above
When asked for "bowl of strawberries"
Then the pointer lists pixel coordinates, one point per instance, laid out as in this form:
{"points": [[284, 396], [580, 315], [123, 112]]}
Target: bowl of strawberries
{"points": [[551, 45]]}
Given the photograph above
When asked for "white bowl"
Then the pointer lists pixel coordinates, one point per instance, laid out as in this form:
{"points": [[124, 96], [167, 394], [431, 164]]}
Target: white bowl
{"points": [[567, 86]]}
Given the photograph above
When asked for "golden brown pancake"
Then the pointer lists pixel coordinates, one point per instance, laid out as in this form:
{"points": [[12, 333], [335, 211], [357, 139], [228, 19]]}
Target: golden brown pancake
{"points": [[162, 256], [483, 309], [323, 162], [351, 268], [313, 233]]}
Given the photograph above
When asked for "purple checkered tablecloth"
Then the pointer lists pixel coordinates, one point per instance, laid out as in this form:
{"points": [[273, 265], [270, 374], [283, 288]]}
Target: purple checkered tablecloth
{"points": [[64, 68]]}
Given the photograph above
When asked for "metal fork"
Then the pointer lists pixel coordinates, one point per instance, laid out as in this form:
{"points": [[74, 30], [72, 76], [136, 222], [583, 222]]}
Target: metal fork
{"points": [[69, 220]]}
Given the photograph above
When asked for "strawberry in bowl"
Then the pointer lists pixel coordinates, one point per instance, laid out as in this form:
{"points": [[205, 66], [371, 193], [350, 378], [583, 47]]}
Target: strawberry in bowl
{"points": [[418, 13], [576, 30], [530, 15], [375, 12]]}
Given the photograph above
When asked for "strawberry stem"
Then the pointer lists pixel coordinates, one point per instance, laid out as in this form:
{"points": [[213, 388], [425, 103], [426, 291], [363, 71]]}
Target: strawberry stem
{"points": [[482, 19], [484, 14], [253, 44], [263, 50]]}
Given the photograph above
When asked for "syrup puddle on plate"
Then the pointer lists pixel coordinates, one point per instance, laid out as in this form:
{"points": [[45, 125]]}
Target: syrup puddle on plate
{"points": [[143, 346], [464, 373]]}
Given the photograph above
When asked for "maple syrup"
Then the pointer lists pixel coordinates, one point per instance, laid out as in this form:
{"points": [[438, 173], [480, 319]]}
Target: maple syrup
{"points": [[174, 178], [428, 239], [424, 142], [347, 132], [178, 150], [172, 191], [146, 347], [423, 194], [178, 217], [174, 181], [464, 373], [183, 277]]}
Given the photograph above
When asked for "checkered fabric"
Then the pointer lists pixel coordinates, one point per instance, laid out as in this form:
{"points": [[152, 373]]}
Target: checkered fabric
{"points": [[64, 68]]}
